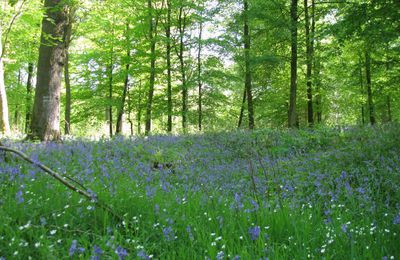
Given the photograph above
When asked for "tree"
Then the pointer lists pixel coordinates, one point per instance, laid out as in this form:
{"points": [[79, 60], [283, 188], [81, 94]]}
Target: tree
{"points": [[248, 72], [152, 32], [126, 82], [46, 108], [293, 65], [182, 22], [309, 59]]}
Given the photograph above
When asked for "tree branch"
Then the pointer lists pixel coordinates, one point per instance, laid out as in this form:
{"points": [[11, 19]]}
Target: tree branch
{"points": [[63, 179]]}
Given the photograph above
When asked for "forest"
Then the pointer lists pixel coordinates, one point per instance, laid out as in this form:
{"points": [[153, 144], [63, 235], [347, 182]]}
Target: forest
{"points": [[199, 129]]}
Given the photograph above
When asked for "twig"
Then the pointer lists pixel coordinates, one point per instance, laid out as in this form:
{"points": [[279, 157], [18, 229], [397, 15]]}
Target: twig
{"points": [[64, 181]]}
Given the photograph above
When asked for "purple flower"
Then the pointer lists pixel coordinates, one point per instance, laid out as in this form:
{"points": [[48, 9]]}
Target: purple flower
{"points": [[237, 257], [169, 234], [73, 247], [220, 255], [344, 228], [19, 197], [142, 255], [189, 231], [121, 252], [43, 221], [396, 220], [254, 232], [97, 252]]}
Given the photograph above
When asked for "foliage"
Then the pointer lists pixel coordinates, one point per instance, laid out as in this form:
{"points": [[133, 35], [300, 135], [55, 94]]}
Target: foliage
{"points": [[320, 193]]}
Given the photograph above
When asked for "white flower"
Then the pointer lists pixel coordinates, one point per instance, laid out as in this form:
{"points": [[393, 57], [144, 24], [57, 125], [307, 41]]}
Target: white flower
{"points": [[52, 232]]}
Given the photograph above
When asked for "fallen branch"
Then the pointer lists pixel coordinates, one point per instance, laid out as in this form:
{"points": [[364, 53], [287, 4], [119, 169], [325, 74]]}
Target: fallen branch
{"points": [[66, 181]]}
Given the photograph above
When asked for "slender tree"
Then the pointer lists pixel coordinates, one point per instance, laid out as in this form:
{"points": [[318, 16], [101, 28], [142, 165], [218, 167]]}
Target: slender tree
{"points": [[185, 94], [309, 59], [29, 86], [199, 72], [152, 29], [126, 83], [248, 73], [293, 66], [67, 40], [46, 108], [369, 88], [169, 69]]}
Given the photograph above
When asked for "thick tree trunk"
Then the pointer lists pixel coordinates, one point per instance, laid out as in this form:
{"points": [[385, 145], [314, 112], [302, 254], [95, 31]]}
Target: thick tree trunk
{"points": [[169, 70], [152, 69], [369, 88], [46, 108], [309, 58], [126, 85], [182, 28], [293, 66], [242, 108], [199, 81], [248, 76], [29, 85]]}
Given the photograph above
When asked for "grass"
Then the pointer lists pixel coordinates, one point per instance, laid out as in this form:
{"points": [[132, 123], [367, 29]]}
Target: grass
{"points": [[321, 193]]}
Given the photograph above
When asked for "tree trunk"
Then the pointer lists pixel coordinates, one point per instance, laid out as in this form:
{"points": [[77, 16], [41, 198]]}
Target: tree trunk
{"points": [[309, 58], [182, 28], [67, 40], [362, 91], [152, 69], [139, 110], [169, 70], [67, 128], [248, 76], [199, 81], [293, 66], [126, 85], [110, 96], [29, 85], [369, 89], [46, 108], [130, 112], [242, 108], [4, 120], [16, 112]]}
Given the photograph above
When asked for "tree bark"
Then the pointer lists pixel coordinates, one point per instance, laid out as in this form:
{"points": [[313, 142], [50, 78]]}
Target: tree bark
{"points": [[46, 108], [309, 58], [248, 72], [169, 70], [126, 85], [362, 91], [369, 88], [139, 110], [242, 108], [67, 127], [293, 66], [110, 95], [199, 81], [29, 85], [67, 40], [152, 68], [182, 28], [4, 119]]}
